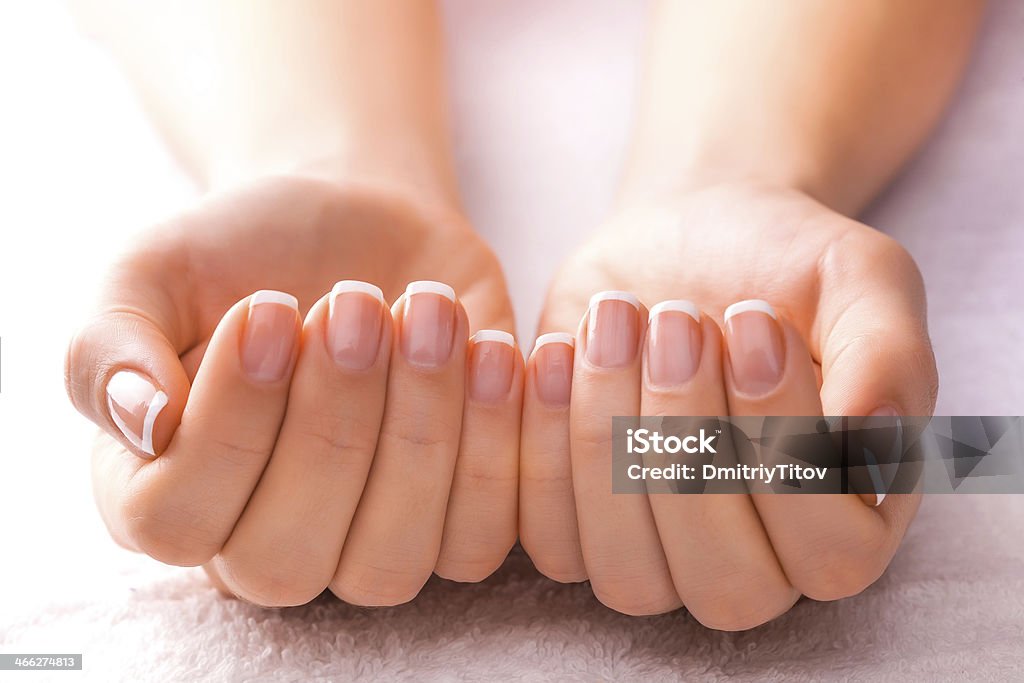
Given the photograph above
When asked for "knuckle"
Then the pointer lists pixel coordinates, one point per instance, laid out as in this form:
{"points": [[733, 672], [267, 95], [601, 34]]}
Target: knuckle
{"points": [[465, 571], [488, 473], [83, 368], [865, 250], [336, 434], [731, 617], [471, 560], [339, 449], [873, 245], [727, 619], [374, 586], [233, 453], [563, 572], [842, 568], [591, 435], [898, 257], [556, 561], [91, 354], [547, 477], [733, 610], [171, 535], [416, 435], [636, 598], [274, 582]]}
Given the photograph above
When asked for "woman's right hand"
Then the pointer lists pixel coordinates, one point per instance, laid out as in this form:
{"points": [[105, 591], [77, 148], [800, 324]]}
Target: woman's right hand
{"points": [[359, 448]]}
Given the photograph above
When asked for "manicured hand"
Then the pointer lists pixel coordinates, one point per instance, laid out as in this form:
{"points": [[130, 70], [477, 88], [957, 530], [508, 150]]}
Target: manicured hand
{"points": [[838, 329], [292, 438]]}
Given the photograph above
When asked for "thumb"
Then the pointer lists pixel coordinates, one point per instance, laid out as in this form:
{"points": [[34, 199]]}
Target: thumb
{"points": [[876, 356], [122, 369], [876, 352]]}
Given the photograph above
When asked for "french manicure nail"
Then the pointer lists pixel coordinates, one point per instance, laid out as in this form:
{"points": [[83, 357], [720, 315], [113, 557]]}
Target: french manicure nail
{"points": [[269, 338], [552, 367], [757, 351], [491, 365], [885, 417], [674, 343], [613, 329], [356, 314], [135, 403], [428, 323]]}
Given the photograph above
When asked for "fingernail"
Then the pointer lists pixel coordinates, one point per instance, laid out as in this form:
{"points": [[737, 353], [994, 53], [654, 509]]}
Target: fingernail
{"points": [[673, 343], [756, 346], [428, 324], [134, 403], [356, 312], [269, 339], [613, 329], [888, 417], [490, 365], [552, 367]]}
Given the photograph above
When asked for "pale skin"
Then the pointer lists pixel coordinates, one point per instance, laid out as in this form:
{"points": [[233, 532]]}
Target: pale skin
{"points": [[260, 481], [761, 126]]}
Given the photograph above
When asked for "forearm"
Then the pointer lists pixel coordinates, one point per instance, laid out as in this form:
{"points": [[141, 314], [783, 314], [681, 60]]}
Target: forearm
{"points": [[828, 96], [243, 88]]}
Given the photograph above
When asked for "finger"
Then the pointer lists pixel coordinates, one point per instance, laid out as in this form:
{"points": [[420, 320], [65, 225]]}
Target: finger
{"points": [[876, 353], [547, 508], [830, 546], [393, 543], [621, 548], [180, 508], [722, 563], [877, 358], [122, 369], [286, 546], [480, 522]]}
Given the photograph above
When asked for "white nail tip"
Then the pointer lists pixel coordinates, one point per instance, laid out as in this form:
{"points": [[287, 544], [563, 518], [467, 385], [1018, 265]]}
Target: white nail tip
{"points": [[127, 388], [159, 401], [677, 306], [613, 295], [758, 305], [430, 287], [554, 338], [270, 296], [875, 474], [494, 336], [348, 286]]}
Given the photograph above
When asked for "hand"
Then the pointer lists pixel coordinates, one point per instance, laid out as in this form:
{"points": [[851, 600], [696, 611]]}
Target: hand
{"points": [[259, 465], [847, 337]]}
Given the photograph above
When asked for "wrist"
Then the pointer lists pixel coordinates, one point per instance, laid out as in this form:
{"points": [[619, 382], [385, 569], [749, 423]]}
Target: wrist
{"points": [[413, 168], [665, 174], [811, 165]]}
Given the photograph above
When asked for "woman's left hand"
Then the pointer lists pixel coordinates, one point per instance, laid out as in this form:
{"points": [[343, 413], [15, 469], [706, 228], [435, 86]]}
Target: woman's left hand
{"points": [[847, 336]]}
